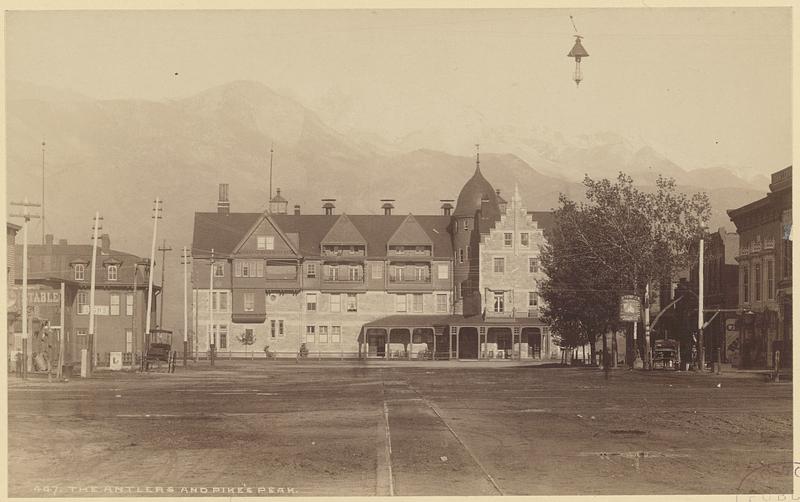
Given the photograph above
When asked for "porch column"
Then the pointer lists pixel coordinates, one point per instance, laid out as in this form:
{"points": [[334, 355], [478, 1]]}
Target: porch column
{"points": [[516, 332], [481, 336], [410, 346], [453, 333], [433, 357], [388, 343]]}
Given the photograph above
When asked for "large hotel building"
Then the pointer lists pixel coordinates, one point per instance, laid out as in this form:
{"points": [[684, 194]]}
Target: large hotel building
{"points": [[462, 284]]}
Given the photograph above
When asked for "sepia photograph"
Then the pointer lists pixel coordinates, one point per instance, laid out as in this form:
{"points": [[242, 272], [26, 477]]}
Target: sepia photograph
{"points": [[388, 250]]}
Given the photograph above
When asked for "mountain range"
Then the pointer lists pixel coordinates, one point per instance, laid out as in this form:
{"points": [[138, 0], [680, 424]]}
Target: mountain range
{"points": [[116, 156]]}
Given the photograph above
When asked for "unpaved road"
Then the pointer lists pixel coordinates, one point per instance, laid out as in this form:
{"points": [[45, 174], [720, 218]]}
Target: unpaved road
{"points": [[351, 429]]}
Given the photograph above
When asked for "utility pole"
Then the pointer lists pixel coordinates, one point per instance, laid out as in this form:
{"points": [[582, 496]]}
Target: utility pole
{"points": [[185, 263], [26, 216], [271, 151], [212, 336], [156, 216], [92, 347], [163, 250], [701, 350], [43, 230], [648, 360]]}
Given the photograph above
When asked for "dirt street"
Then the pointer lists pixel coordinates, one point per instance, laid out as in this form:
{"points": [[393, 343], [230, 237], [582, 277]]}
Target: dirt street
{"points": [[315, 428]]}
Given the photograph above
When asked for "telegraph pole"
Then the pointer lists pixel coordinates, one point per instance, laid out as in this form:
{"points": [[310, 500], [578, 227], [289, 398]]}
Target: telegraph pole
{"points": [[43, 230], [90, 366], [156, 216], [701, 350], [648, 360], [26, 216], [185, 262], [163, 250], [212, 335]]}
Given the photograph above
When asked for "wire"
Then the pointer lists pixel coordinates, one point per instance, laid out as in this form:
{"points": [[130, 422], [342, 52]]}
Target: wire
{"points": [[573, 24]]}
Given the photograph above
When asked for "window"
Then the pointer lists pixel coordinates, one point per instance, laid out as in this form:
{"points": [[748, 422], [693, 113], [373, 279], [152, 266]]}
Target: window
{"points": [[222, 330], [466, 253], [377, 270], [80, 272], [83, 341], [420, 273], [249, 302], [354, 273], [757, 281], [770, 280], [499, 265], [281, 332], [83, 302], [264, 242], [460, 255], [246, 269], [219, 270], [250, 268], [114, 309], [442, 271], [745, 284], [273, 332], [311, 302], [129, 304], [220, 300], [533, 265], [523, 239], [533, 299], [323, 334], [333, 273], [400, 303], [466, 225], [128, 341], [458, 291], [508, 239], [336, 334], [441, 303], [310, 332], [416, 303], [111, 273], [336, 303], [352, 302], [499, 302], [311, 270]]}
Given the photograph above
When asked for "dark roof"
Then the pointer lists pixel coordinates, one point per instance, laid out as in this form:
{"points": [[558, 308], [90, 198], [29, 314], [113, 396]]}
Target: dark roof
{"points": [[11, 226], [64, 255], [544, 219], [420, 320], [223, 231], [474, 191]]}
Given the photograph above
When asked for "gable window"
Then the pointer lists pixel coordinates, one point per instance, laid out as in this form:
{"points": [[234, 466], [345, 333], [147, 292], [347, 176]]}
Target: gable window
{"points": [[523, 239], [311, 270], [80, 272], [499, 302], [499, 265], [219, 270], [400, 303], [261, 242], [311, 302], [377, 270], [249, 302], [533, 265], [508, 239], [441, 303], [111, 273], [442, 271], [114, 308], [83, 302], [336, 303], [352, 302], [336, 334]]}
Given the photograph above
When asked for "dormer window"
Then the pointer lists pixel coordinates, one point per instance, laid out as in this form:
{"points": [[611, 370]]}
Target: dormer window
{"points": [[80, 272], [111, 272]]}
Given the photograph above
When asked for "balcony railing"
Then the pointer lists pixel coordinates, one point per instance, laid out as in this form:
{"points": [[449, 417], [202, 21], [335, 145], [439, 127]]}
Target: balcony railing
{"points": [[410, 280], [329, 278], [342, 252]]}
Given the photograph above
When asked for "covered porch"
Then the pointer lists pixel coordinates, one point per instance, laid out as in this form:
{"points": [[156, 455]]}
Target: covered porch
{"points": [[405, 337]]}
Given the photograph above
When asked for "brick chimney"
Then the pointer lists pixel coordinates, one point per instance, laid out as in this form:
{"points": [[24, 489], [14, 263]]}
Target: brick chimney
{"points": [[387, 206], [328, 206], [105, 242], [223, 205], [297, 209], [447, 206]]}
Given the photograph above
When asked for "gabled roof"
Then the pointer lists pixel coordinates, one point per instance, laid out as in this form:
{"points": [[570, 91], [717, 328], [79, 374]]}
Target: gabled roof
{"points": [[343, 232], [265, 218], [220, 231], [410, 233]]}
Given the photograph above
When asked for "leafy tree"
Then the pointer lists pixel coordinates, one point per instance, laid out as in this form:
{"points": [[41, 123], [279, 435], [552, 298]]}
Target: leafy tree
{"points": [[621, 240], [247, 338]]}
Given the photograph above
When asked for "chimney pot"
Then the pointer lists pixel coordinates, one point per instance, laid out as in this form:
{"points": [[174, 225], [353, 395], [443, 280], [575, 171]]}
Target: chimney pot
{"points": [[447, 206], [387, 206], [48, 239], [328, 206], [297, 209], [105, 241]]}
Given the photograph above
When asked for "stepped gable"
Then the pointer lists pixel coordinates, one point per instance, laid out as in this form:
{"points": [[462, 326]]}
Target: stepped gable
{"points": [[343, 232], [410, 233]]}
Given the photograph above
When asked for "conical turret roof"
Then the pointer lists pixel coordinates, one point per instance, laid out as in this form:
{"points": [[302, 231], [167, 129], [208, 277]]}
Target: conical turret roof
{"points": [[476, 189]]}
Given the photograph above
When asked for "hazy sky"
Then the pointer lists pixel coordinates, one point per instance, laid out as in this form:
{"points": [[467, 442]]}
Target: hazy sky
{"points": [[708, 86]]}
